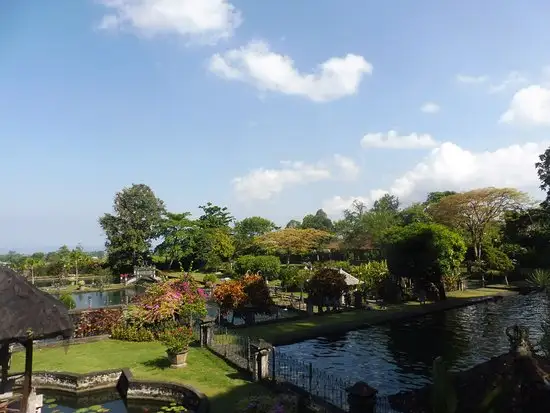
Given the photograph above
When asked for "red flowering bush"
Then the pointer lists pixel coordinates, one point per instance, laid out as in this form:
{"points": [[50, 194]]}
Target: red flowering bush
{"points": [[166, 301], [229, 295], [96, 322], [251, 289]]}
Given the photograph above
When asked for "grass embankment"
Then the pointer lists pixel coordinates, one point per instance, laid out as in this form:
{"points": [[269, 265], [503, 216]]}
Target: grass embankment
{"points": [[224, 385], [293, 331]]}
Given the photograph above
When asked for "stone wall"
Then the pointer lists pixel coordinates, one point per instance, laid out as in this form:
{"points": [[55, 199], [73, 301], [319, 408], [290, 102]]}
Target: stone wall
{"points": [[122, 383]]}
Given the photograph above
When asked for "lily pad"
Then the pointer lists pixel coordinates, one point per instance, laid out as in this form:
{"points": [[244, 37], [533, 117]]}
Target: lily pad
{"points": [[52, 406], [96, 408], [82, 410], [49, 401]]}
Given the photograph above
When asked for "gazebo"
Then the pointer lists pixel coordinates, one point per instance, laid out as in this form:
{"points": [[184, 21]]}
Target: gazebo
{"points": [[27, 314]]}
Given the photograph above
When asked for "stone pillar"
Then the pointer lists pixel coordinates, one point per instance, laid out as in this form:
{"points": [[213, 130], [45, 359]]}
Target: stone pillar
{"points": [[206, 331], [259, 352], [361, 398]]}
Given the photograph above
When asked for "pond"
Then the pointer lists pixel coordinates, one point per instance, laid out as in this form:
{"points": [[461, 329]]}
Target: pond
{"points": [[99, 299], [102, 402], [399, 356]]}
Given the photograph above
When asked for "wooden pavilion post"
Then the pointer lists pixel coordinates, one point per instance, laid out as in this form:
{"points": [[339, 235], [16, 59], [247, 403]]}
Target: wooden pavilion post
{"points": [[27, 382]]}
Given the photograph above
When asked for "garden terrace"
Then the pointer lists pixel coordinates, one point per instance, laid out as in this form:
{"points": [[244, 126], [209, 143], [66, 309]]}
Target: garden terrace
{"points": [[206, 372]]}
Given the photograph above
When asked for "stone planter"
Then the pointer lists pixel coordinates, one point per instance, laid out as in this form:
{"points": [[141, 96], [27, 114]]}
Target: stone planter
{"points": [[179, 360]]}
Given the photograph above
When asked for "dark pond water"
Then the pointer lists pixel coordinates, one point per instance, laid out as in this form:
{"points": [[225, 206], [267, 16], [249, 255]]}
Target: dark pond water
{"points": [[98, 299], [399, 356], [101, 402]]}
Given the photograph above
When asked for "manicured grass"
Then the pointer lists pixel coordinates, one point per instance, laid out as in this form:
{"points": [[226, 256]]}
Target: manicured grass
{"points": [[206, 372], [298, 330]]}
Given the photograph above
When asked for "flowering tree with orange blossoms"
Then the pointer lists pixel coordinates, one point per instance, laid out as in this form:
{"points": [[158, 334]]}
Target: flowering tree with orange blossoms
{"points": [[229, 295]]}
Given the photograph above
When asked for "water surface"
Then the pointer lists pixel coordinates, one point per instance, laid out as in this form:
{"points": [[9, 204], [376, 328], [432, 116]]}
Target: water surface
{"points": [[398, 356]]}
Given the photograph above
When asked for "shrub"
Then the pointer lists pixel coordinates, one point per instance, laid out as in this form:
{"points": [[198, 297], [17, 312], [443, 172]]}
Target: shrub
{"points": [[540, 278], [68, 300], [96, 322], [257, 291], [210, 279], [176, 339], [126, 332], [287, 275], [168, 300], [229, 295], [497, 260], [372, 274], [326, 283], [267, 265]]}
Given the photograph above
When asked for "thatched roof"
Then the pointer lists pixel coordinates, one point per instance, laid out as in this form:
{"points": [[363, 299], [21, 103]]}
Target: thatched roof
{"points": [[24, 308], [350, 279]]}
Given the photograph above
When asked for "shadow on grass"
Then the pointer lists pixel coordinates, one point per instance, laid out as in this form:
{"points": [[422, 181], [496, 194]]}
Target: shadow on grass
{"points": [[236, 400], [158, 363]]}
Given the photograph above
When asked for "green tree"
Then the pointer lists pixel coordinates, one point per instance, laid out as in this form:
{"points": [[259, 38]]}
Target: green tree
{"points": [[32, 264], [214, 216], [415, 213], [293, 224], [543, 171], [424, 253], [388, 203], [213, 246], [132, 228], [246, 230], [178, 238], [77, 259], [435, 197], [319, 221]]}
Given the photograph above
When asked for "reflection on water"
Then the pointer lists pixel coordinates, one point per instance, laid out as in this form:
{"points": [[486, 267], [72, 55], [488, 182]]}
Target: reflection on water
{"points": [[98, 299], [398, 356]]}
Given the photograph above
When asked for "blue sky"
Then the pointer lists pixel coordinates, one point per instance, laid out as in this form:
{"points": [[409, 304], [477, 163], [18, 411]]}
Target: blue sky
{"points": [[273, 108]]}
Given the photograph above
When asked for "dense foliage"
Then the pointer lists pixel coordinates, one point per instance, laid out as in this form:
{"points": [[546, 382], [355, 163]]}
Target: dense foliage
{"points": [[96, 322], [250, 290], [267, 265], [326, 283], [167, 301], [424, 253]]}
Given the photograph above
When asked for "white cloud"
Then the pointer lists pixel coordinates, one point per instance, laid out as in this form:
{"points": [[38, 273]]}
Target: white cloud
{"points": [[262, 184], [201, 20], [472, 79], [257, 65], [529, 106], [511, 80], [392, 140], [348, 167], [449, 167], [430, 107]]}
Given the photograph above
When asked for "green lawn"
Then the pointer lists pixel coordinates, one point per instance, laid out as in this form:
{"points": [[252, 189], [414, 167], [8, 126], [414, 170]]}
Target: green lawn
{"points": [[224, 385], [318, 325]]}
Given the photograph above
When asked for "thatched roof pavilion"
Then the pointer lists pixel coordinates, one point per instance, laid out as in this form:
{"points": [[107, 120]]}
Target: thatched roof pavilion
{"points": [[27, 314]]}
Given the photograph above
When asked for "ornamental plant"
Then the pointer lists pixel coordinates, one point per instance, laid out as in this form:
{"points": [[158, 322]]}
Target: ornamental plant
{"points": [[167, 301], [176, 339], [229, 295]]}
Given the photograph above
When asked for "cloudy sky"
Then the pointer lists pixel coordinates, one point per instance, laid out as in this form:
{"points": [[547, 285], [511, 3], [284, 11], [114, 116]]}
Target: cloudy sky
{"points": [[273, 108]]}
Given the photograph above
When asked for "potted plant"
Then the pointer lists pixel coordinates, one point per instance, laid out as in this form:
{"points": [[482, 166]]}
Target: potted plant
{"points": [[177, 340]]}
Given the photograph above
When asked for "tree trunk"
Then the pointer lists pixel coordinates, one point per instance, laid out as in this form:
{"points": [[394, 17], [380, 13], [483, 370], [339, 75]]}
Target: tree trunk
{"points": [[288, 259], [441, 289]]}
